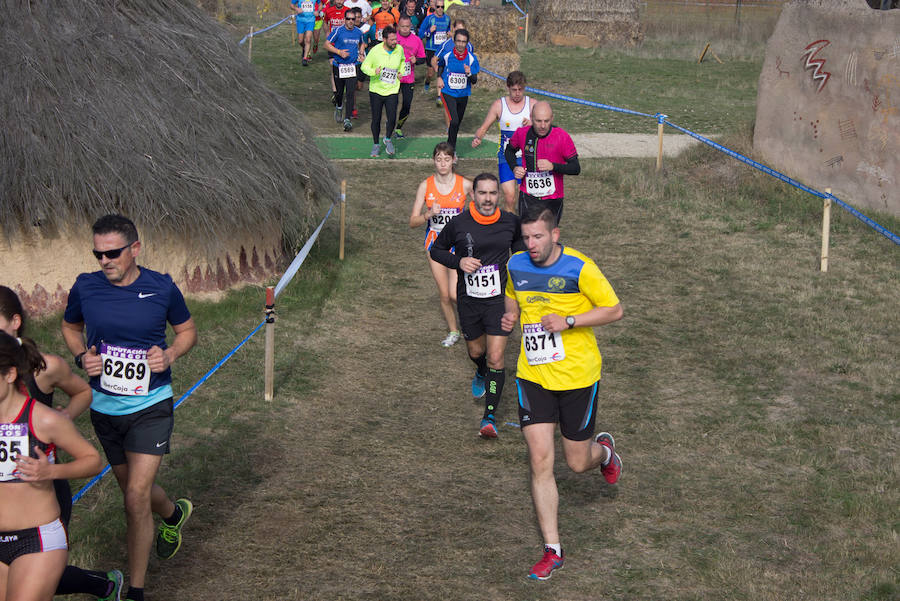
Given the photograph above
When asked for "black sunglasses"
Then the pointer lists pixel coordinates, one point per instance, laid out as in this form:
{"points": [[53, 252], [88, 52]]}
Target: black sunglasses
{"points": [[110, 254]]}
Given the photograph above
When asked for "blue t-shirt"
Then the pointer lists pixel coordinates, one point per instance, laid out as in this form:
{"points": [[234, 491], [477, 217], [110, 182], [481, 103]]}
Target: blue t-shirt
{"points": [[346, 39], [130, 317], [442, 24], [454, 75]]}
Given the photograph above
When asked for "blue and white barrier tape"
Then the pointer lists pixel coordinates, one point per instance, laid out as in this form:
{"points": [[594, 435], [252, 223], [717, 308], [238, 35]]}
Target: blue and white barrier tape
{"points": [[255, 33]]}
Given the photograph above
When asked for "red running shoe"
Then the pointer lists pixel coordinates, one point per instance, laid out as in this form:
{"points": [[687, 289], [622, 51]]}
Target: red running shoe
{"points": [[612, 469], [543, 569], [354, 114]]}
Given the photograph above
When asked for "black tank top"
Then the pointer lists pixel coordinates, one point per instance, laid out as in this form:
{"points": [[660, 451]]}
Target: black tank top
{"points": [[37, 394], [12, 443]]}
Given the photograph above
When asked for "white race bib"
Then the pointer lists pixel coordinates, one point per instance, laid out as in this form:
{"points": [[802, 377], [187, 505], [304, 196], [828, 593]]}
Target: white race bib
{"points": [[540, 183], [484, 283], [307, 6], [407, 69], [379, 35], [457, 81], [540, 345], [13, 441], [345, 71], [442, 218], [440, 37], [388, 76], [125, 371]]}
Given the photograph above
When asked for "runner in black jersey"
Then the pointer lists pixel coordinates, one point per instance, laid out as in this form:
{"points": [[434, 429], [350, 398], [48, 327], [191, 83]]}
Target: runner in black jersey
{"points": [[483, 237]]}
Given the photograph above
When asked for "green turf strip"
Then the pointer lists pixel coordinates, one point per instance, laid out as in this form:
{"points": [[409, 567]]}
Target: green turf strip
{"points": [[359, 147]]}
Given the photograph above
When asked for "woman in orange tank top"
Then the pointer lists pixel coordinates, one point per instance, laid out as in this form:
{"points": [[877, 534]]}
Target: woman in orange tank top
{"points": [[438, 199]]}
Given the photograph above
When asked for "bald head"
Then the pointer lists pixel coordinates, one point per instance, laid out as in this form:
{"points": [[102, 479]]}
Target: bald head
{"points": [[541, 118]]}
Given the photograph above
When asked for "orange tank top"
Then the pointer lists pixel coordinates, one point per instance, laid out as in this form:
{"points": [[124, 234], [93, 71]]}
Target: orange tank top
{"points": [[451, 204]]}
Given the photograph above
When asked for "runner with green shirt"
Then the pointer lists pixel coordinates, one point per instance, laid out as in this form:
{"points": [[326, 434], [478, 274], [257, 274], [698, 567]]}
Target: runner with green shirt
{"points": [[383, 65]]}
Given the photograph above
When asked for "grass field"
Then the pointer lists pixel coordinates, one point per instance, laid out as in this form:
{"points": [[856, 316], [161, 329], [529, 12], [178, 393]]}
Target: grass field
{"points": [[754, 401]]}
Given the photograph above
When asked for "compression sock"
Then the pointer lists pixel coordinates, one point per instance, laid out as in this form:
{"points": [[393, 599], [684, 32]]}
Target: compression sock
{"points": [[75, 580], [496, 378], [172, 520], [480, 364], [135, 594]]}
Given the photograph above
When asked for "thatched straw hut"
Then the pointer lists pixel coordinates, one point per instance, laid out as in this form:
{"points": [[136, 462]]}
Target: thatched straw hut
{"points": [[494, 34], [586, 22], [148, 108]]}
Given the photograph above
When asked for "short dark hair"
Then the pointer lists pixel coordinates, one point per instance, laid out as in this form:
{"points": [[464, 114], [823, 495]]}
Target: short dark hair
{"points": [[116, 224], [535, 214], [515, 78], [403, 17], [485, 176], [387, 31], [463, 31]]}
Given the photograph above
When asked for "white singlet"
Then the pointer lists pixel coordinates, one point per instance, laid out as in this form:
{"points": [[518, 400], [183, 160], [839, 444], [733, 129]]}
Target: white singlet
{"points": [[510, 122]]}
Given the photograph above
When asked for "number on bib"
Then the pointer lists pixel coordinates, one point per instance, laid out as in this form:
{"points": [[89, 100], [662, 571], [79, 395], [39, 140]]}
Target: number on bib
{"points": [[125, 371], [13, 441], [440, 37], [407, 69], [388, 76], [442, 218], [457, 81], [540, 183], [346, 71], [540, 345], [307, 6], [484, 283]]}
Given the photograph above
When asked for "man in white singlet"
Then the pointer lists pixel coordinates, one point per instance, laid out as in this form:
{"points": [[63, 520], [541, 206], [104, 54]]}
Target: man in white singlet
{"points": [[512, 111]]}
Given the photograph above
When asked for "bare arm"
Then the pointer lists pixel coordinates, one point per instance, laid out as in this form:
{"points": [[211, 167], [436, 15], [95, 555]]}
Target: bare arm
{"points": [[598, 316], [510, 315], [51, 426], [492, 116], [417, 218], [59, 375]]}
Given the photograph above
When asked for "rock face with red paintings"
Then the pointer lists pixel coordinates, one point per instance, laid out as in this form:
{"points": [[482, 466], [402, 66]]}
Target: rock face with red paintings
{"points": [[828, 107]]}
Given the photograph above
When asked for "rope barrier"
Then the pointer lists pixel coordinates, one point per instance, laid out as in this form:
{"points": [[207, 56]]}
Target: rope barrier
{"points": [[661, 118], [788, 180], [256, 33], [284, 281]]}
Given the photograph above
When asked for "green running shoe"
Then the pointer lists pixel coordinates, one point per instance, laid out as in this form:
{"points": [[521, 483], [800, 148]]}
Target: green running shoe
{"points": [[115, 594], [168, 539]]}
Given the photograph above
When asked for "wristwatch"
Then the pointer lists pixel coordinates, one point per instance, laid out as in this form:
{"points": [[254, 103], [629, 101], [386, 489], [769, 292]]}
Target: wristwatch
{"points": [[78, 359], [570, 321]]}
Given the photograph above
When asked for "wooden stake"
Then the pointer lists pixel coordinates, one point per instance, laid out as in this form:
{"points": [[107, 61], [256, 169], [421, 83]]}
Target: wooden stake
{"points": [[250, 45], [343, 216], [702, 54], [526, 28], [660, 127], [826, 227], [270, 343]]}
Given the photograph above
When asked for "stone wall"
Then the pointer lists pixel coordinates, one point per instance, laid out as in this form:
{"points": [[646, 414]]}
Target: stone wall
{"points": [[828, 107]]}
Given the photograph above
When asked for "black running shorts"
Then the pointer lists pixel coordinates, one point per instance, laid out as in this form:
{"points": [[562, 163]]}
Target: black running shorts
{"points": [[478, 317], [574, 410], [146, 431]]}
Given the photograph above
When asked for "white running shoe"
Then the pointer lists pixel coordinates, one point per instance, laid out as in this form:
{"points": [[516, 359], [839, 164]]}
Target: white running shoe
{"points": [[451, 339]]}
